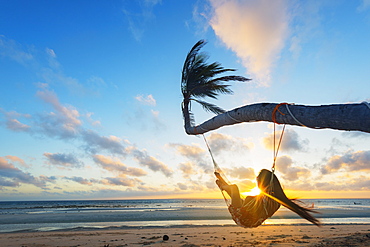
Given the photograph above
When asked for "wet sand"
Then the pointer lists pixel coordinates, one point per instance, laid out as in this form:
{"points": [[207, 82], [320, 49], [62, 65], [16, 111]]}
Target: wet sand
{"points": [[193, 236]]}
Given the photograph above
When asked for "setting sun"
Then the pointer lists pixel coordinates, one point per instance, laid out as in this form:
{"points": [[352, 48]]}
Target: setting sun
{"points": [[253, 192]]}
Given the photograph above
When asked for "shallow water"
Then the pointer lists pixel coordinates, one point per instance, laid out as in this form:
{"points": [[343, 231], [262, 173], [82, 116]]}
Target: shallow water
{"points": [[62, 215]]}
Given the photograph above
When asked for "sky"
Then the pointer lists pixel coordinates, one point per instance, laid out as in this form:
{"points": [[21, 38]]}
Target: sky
{"points": [[90, 99]]}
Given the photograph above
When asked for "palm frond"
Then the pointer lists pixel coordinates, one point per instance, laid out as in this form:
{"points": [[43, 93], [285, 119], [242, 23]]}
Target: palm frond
{"points": [[210, 107], [210, 90], [229, 78], [200, 80], [192, 56]]}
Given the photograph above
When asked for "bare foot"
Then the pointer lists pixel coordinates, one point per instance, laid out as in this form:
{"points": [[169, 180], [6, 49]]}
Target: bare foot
{"points": [[219, 177], [221, 184]]}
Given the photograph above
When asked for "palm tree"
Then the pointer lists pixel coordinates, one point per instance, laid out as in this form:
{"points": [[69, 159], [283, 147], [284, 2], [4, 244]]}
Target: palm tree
{"points": [[198, 81]]}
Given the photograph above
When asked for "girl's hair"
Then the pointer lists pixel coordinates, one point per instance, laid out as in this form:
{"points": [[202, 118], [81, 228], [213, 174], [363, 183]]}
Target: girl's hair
{"points": [[272, 188]]}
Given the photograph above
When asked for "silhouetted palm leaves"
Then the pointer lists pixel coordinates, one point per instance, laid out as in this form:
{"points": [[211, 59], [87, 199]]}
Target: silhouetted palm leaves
{"points": [[199, 80]]}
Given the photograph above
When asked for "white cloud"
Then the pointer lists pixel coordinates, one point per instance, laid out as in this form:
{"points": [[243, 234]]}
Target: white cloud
{"points": [[79, 180], [291, 141], [151, 162], [11, 176], [10, 48], [95, 142], [18, 160], [146, 100], [291, 173], [241, 172], [355, 161], [111, 164], [195, 154], [222, 142], [187, 169], [63, 123], [182, 186], [255, 30], [92, 121], [120, 181], [50, 52], [15, 125], [63, 160], [12, 123]]}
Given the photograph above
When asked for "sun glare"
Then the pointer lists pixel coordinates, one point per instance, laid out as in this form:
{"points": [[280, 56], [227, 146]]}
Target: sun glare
{"points": [[253, 192]]}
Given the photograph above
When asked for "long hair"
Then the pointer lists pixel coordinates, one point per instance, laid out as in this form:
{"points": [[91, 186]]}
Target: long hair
{"points": [[272, 188]]}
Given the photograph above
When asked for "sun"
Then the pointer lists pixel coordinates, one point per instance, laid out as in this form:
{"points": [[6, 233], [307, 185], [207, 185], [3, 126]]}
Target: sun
{"points": [[253, 192]]}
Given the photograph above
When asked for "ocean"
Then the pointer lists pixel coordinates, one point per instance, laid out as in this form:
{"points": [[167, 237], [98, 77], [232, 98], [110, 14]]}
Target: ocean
{"points": [[29, 216]]}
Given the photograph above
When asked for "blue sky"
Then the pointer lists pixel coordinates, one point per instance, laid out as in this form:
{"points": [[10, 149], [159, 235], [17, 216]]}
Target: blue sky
{"points": [[90, 96]]}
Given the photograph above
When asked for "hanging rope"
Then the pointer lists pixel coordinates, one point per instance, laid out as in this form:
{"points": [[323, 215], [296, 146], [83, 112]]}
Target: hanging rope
{"points": [[276, 149], [215, 165], [366, 103], [217, 169]]}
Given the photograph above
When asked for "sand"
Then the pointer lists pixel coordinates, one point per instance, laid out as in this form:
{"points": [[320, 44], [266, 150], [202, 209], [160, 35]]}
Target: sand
{"points": [[192, 236]]}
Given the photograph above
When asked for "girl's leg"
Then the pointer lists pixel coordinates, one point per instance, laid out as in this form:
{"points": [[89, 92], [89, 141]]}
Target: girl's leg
{"points": [[232, 190]]}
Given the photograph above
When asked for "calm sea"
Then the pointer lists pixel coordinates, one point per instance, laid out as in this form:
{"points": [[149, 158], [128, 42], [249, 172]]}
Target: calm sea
{"points": [[116, 214]]}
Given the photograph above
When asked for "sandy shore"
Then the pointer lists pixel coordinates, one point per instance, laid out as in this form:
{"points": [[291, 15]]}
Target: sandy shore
{"points": [[231, 236]]}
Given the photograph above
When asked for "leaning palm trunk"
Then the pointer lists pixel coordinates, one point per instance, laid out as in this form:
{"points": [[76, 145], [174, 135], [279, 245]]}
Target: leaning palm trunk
{"points": [[355, 117]]}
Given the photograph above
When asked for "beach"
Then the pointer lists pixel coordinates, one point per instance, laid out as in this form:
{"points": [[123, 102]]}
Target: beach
{"points": [[192, 236], [186, 222]]}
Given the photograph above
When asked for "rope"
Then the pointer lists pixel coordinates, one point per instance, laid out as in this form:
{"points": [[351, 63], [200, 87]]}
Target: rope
{"points": [[290, 113], [216, 167], [276, 150], [366, 103], [228, 114], [275, 110]]}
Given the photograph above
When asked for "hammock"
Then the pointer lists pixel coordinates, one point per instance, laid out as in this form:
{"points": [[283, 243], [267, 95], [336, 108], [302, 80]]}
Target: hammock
{"points": [[254, 210]]}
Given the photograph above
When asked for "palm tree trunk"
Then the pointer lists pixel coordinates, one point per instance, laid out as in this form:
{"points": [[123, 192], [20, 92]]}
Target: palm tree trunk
{"points": [[186, 116], [355, 117]]}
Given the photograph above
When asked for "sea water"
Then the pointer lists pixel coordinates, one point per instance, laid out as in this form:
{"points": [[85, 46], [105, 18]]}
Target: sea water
{"points": [[115, 214]]}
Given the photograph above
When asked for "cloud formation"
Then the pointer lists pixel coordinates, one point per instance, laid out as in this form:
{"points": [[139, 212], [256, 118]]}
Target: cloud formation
{"points": [[17, 160], [352, 161], [110, 164], [188, 169], [63, 160], [11, 176], [152, 163], [196, 156], [121, 181], [95, 142], [146, 100], [290, 172], [255, 30], [15, 125], [10, 48], [12, 123], [63, 123], [80, 180], [290, 142], [222, 142], [241, 172]]}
